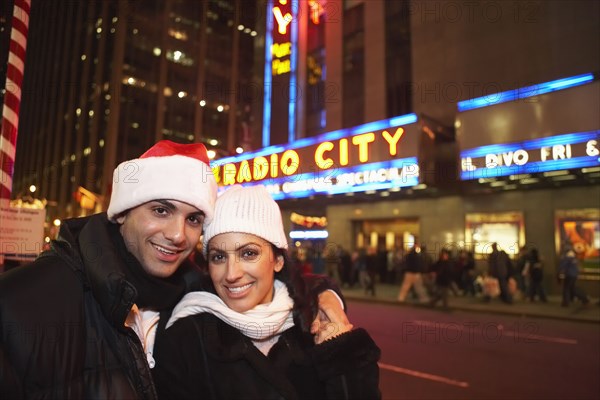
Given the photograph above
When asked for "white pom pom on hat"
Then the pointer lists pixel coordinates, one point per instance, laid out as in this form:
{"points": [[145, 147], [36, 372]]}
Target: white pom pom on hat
{"points": [[250, 210], [167, 171]]}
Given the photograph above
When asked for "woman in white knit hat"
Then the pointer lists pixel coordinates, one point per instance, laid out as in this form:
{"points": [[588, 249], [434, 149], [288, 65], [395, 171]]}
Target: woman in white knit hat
{"points": [[251, 336]]}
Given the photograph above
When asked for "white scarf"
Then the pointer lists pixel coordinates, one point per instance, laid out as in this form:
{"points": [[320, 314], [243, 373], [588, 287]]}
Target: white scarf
{"points": [[262, 322]]}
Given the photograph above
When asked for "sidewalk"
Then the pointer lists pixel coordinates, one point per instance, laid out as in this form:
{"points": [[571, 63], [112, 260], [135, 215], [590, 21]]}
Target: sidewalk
{"points": [[385, 293]]}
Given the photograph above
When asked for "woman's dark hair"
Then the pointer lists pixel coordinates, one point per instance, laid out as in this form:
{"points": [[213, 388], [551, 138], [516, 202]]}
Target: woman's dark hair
{"points": [[305, 308]]}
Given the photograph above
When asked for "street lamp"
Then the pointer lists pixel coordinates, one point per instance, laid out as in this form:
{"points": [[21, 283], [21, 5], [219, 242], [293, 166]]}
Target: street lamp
{"points": [[32, 188]]}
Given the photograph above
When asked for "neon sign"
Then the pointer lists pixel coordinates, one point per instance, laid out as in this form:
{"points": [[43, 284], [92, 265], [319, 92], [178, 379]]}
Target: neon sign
{"points": [[573, 150], [308, 221], [524, 92], [281, 44], [282, 20], [316, 10], [281, 65], [367, 157], [279, 51]]}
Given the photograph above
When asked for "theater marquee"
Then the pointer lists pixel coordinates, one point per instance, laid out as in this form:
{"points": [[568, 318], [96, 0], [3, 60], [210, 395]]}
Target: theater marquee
{"points": [[568, 151], [374, 156]]}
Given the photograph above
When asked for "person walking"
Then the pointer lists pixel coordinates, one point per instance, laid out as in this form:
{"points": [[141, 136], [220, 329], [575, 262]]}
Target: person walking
{"points": [[250, 335], [499, 267], [81, 320], [443, 271], [569, 266], [534, 270], [413, 275], [371, 270], [467, 260]]}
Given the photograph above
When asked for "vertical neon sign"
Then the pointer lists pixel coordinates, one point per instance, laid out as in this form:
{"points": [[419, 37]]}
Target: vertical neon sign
{"points": [[293, 85], [268, 81], [281, 44]]}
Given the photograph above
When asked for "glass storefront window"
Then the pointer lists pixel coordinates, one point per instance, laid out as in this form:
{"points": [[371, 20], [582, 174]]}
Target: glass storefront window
{"points": [[386, 233], [579, 229], [506, 229]]}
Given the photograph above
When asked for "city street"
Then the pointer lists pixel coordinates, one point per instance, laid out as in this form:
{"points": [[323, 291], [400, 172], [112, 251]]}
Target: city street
{"points": [[432, 354]]}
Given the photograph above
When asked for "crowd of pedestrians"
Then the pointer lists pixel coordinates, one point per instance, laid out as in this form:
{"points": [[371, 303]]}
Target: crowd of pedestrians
{"points": [[430, 280]]}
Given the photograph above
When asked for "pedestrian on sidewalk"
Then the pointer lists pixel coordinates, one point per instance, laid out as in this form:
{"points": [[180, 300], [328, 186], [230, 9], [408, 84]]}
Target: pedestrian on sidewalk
{"points": [[569, 266], [443, 270], [534, 271], [413, 275], [500, 267], [371, 269], [520, 275], [467, 260]]}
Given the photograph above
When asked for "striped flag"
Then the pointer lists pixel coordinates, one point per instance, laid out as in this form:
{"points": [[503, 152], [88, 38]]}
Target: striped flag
{"points": [[12, 96]]}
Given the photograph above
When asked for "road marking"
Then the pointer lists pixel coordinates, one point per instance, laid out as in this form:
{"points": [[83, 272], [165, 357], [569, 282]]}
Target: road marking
{"points": [[541, 338], [500, 328], [423, 375]]}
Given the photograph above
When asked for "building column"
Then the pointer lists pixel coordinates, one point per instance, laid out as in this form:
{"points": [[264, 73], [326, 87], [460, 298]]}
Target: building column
{"points": [[375, 93], [335, 74]]}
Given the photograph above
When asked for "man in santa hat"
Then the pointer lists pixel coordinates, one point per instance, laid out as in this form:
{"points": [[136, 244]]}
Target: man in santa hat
{"points": [[81, 320]]}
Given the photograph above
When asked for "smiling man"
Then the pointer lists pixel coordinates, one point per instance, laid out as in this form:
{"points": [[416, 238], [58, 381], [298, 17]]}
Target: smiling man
{"points": [[81, 320]]}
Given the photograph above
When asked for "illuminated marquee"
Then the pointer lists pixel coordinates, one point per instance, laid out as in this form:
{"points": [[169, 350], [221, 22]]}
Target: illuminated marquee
{"points": [[362, 158], [573, 150]]}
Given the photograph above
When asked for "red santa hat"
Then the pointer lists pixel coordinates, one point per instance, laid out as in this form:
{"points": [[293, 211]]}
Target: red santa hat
{"points": [[167, 171]]}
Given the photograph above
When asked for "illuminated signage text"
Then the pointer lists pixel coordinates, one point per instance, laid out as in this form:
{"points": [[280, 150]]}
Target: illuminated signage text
{"points": [[373, 156], [323, 156], [574, 150]]}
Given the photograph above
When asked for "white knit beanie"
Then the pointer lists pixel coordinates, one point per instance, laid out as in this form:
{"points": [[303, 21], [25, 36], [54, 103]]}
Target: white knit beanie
{"points": [[167, 171], [247, 210]]}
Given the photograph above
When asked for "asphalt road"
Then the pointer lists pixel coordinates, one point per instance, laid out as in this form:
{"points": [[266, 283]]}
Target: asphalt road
{"points": [[431, 354]]}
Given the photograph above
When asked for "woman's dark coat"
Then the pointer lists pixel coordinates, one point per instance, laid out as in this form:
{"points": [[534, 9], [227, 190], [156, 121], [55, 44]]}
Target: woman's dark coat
{"points": [[201, 357]]}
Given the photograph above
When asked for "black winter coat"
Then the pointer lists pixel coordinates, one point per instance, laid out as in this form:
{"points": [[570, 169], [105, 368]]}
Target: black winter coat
{"points": [[62, 333], [201, 357]]}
